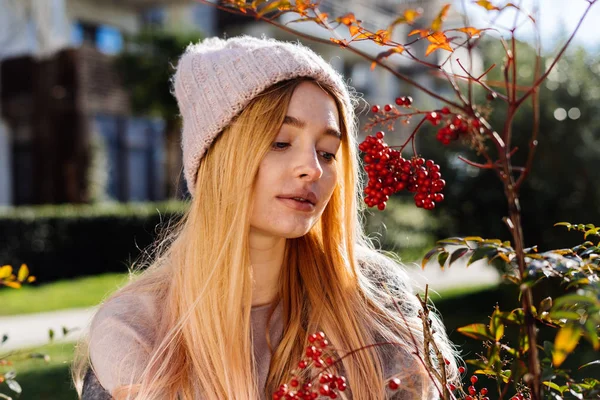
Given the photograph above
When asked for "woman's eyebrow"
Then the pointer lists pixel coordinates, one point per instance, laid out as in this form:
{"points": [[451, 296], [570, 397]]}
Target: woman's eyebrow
{"points": [[295, 122]]}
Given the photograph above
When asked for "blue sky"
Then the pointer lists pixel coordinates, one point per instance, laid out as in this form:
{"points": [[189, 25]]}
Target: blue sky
{"points": [[555, 17]]}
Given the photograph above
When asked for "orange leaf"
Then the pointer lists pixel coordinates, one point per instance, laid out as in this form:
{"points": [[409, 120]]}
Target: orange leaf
{"points": [[437, 22], [353, 30], [347, 19], [438, 41], [30, 279], [381, 37], [11, 284], [342, 43], [487, 5], [276, 5], [469, 30], [385, 54], [422, 32]]}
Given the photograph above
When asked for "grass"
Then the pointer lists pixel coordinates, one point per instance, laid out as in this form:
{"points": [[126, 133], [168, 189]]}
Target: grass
{"points": [[72, 293], [41, 380], [51, 380]]}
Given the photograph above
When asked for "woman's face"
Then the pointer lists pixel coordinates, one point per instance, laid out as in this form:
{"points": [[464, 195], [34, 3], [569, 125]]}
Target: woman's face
{"points": [[300, 163]]}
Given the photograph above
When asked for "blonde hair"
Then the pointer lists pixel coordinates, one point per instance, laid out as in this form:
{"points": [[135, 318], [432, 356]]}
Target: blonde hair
{"points": [[201, 276]]}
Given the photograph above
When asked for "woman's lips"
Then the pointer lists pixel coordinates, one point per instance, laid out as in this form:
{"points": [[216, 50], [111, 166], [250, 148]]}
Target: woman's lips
{"points": [[297, 205]]}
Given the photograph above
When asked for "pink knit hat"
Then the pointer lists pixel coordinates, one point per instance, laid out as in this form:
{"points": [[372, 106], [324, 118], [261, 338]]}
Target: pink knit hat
{"points": [[217, 78]]}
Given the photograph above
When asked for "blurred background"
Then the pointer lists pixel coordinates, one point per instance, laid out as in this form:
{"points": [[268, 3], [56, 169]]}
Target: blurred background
{"points": [[90, 168]]}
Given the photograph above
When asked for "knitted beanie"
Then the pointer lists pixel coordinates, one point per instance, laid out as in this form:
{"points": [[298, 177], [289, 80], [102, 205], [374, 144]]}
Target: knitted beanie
{"points": [[216, 79]]}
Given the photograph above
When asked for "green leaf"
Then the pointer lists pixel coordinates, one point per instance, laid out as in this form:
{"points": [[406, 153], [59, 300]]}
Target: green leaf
{"points": [[568, 225], [480, 253], [14, 386], [590, 363], [473, 239], [442, 258], [591, 333], [476, 331], [573, 299], [430, 254], [458, 254], [4, 338], [51, 334], [565, 341], [546, 304], [564, 314], [552, 385]]}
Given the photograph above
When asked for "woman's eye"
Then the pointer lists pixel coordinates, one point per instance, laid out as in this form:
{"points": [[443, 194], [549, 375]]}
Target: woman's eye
{"points": [[329, 157], [280, 145]]}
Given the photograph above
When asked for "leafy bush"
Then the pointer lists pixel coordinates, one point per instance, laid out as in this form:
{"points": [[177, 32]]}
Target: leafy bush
{"points": [[74, 240]]}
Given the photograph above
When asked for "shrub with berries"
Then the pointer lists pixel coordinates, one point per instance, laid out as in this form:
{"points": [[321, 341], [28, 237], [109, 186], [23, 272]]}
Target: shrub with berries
{"points": [[526, 368]]}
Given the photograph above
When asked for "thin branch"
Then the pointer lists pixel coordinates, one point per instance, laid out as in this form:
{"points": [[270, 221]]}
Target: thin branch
{"points": [[557, 58], [330, 43]]}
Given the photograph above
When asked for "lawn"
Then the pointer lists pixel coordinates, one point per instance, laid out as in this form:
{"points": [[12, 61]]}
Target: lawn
{"points": [[73, 293], [41, 380], [51, 380]]}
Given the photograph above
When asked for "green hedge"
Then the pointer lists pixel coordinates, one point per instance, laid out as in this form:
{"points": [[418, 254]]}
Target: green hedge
{"points": [[65, 241]]}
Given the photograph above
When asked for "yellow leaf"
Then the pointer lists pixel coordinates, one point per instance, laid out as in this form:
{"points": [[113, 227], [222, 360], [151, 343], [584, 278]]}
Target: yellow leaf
{"points": [[23, 273], [5, 271], [411, 15], [487, 5], [11, 284], [30, 279], [565, 341], [469, 30], [437, 22]]}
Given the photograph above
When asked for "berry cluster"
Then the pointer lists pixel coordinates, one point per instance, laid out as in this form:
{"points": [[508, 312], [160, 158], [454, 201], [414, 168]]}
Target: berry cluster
{"points": [[404, 101], [454, 125], [328, 384], [473, 391], [389, 173]]}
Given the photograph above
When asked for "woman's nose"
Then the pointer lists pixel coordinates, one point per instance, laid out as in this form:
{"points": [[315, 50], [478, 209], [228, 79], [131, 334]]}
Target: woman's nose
{"points": [[308, 165]]}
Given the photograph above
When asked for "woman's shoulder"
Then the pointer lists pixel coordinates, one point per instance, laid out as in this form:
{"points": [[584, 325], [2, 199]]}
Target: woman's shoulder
{"points": [[122, 334]]}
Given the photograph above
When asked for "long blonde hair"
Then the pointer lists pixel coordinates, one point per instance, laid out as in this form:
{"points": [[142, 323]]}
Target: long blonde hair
{"points": [[201, 276]]}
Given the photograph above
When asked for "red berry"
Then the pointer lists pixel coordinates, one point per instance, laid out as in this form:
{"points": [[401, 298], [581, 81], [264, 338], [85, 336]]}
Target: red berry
{"points": [[408, 100], [294, 382], [451, 387], [483, 391], [387, 107], [447, 361], [380, 134], [461, 370], [445, 110], [474, 379], [400, 101], [302, 364], [472, 390], [394, 384], [491, 96], [375, 109]]}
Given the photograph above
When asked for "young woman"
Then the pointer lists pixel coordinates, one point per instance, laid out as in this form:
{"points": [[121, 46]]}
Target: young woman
{"points": [[270, 251]]}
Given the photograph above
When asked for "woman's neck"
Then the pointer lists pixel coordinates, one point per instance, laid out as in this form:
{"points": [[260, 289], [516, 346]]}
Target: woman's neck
{"points": [[266, 258]]}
